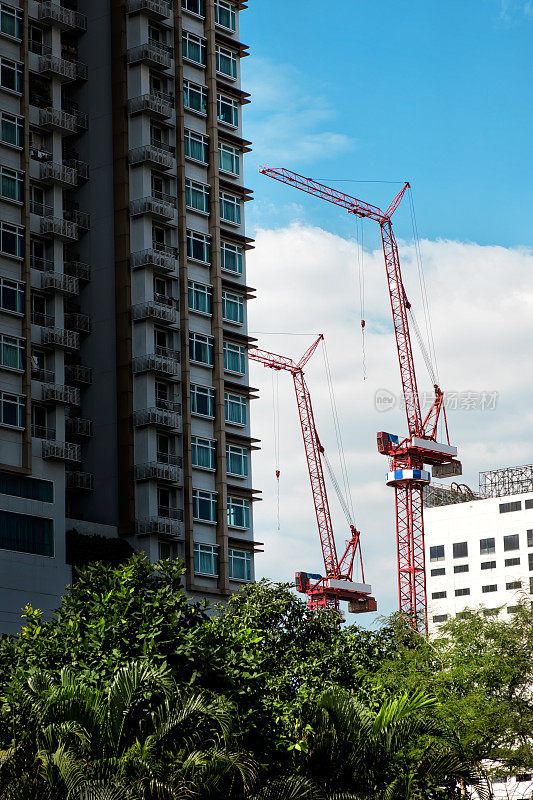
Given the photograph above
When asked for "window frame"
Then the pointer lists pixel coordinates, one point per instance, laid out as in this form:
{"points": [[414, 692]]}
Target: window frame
{"points": [[227, 200], [235, 502], [231, 56], [204, 495], [18, 72], [485, 548], [465, 592], [19, 288], [198, 546], [235, 154], [241, 351], [239, 257], [19, 344], [195, 289], [511, 542], [201, 139], [232, 15], [18, 15], [17, 400], [12, 230], [437, 557], [206, 391], [195, 337], [209, 446], [237, 400], [196, 235], [236, 451], [201, 91], [18, 122], [201, 4], [457, 553], [200, 189], [237, 300], [232, 103], [18, 176], [189, 38], [244, 556]]}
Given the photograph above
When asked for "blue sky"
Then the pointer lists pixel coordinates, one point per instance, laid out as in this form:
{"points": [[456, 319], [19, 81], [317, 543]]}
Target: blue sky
{"points": [[436, 93]]}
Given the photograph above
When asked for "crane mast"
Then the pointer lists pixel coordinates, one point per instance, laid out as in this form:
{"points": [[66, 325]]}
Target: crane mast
{"points": [[408, 456]]}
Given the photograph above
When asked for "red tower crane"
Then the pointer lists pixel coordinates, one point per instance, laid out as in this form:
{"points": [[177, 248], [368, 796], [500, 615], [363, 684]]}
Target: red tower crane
{"points": [[323, 592], [409, 455]]}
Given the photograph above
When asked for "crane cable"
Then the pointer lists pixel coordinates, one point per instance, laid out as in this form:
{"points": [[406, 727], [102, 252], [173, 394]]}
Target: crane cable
{"points": [[334, 481], [275, 413], [361, 272]]}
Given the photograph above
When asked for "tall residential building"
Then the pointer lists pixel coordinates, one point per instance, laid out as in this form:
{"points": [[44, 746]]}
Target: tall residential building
{"points": [[479, 545], [124, 396]]}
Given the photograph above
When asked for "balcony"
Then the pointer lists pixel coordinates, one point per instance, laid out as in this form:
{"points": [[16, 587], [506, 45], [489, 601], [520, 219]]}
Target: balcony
{"points": [[61, 17], [158, 104], [79, 481], [71, 107], [57, 337], [61, 451], [153, 54], [44, 320], [81, 219], [59, 282], [78, 374], [159, 418], [65, 395], [58, 174], [56, 67], [81, 168], [153, 309], [41, 264], [43, 375], [161, 207], [79, 427], [162, 259], [157, 156], [56, 226], [157, 9], [56, 119], [166, 362], [161, 471], [78, 270], [78, 322], [41, 432], [160, 526]]}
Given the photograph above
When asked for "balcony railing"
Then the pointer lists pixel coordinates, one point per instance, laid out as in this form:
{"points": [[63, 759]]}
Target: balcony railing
{"points": [[78, 322], [158, 104], [78, 270], [159, 9], [45, 320], [168, 365], [159, 417], [58, 119], [163, 259], [152, 309], [150, 154], [81, 168], [78, 426], [59, 282], [159, 526], [54, 393], [169, 512], [54, 66], [153, 54], [155, 470], [65, 18], [43, 375], [79, 481], [58, 337], [42, 264], [77, 373], [61, 228], [80, 218], [81, 117], [160, 207], [42, 432], [61, 451], [58, 173]]}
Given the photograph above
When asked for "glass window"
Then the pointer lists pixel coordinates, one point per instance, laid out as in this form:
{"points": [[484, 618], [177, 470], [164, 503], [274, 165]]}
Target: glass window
{"points": [[11, 21], [29, 488], [10, 75], [513, 585], [202, 400], [461, 568], [231, 257], [193, 48], [206, 559], [436, 553], [11, 296], [233, 307], [238, 512], [488, 565], [487, 546], [12, 240], [12, 184], [228, 110], [528, 503], [230, 208], [204, 505], [440, 617], [203, 452], [531, 584], [11, 129], [12, 408], [462, 592], [234, 358], [200, 297], [438, 595], [26, 534], [512, 609], [196, 146], [226, 61], [197, 196], [198, 247], [225, 15], [460, 550], [491, 587], [195, 97], [505, 508], [240, 565], [439, 571], [530, 558], [236, 460], [229, 159], [530, 538], [235, 408], [201, 348], [11, 352], [194, 6], [165, 551], [511, 542], [512, 562]]}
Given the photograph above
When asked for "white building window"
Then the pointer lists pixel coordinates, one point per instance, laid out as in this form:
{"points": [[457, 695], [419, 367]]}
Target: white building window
{"points": [[196, 146], [11, 184], [230, 208], [197, 196], [200, 297], [11, 21], [234, 358], [201, 348], [12, 240], [226, 61], [11, 352], [194, 48], [238, 512], [203, 452], [487, 546], [235, 408], [225, 15], [240, 565], [195, 97], [194, 7], [204, 506], [202, 400], [229, 159], [231, 257], [12, 410], [198, 247], [236, 461], [233, 307], [206, 559], [436, 553], [228, 110]]}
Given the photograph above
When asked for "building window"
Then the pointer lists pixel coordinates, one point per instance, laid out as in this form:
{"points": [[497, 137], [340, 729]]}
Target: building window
{"points": [[460, 550], [439, 571], [26, 534], [231, 257], [511, 542], [165, 551], [12, 184], [196, 146], [531, 585], [512, 562], [488, 565], [490, 612], [238, 512], [491, 587], [11, 75], [200, 297], [193, 48], [11, 21], [225, 15], [12, 409], [197, 196], [236, 461], [205, 559], [235, 408], [229, 159], [194, 6], [233, 308], [11, 129], [530, 559], [461, 568], [226, 62], [202, 400], [201, 348], [198, 247], [230, 208], [204, 506], [512, 609], [530, 538], [505, 508], [528, 503], [28, 488], [195, 97], [440, 617], [513, 585], [487, 546], [11, 296], [240, 565], [203, 452], [462, 592], [11, 240], [234, 358], [436, 553], [438, 595], [11, 352], [228, 110]]}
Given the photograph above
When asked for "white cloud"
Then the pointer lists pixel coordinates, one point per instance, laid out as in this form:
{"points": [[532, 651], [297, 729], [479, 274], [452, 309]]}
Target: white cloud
{"points": [[481, 302]]}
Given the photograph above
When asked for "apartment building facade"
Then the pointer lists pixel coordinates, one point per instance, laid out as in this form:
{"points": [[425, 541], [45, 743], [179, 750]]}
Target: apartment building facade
{"points": [[479, 545], [124, 394]]}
